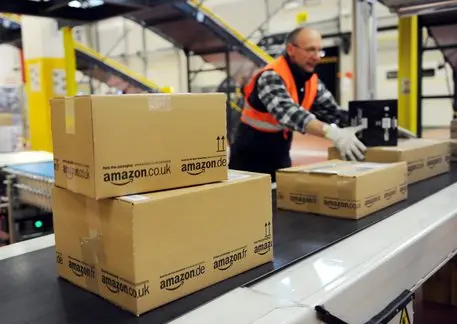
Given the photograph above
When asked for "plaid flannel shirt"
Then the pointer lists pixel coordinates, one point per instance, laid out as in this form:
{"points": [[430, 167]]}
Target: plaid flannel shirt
{"points": [[274, 95]]}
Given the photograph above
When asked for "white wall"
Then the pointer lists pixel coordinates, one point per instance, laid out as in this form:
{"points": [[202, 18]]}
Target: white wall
{"points": [[10, 66], [123, 40]]}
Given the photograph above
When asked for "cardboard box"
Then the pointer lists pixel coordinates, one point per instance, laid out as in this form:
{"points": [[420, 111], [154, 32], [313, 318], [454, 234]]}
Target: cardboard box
{"points": [[454, 129], [341, 189], [109, 146], [143, 251], [453, 149], [379, 118], [426, 158]]}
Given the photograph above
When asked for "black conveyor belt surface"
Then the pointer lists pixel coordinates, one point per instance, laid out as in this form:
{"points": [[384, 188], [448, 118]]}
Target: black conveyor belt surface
{"points": [[30, 292]]}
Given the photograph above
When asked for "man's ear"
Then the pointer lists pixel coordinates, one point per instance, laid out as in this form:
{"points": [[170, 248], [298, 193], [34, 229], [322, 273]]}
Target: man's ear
{"points": [[289, 48]]}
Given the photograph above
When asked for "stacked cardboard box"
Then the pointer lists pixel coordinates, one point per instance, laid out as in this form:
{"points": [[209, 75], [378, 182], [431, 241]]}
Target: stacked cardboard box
{"points": [[140, 199]]}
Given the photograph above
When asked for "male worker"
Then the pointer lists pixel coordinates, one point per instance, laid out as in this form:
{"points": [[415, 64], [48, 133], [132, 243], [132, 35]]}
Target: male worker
{"points": [[286, 96]]}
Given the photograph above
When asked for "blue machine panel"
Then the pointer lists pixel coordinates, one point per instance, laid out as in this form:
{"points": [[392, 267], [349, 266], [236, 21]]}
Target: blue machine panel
{"points": [[42, 169]]}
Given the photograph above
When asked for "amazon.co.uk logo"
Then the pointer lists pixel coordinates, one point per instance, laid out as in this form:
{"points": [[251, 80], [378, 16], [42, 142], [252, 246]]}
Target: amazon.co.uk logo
{"points": [[121, 178]]}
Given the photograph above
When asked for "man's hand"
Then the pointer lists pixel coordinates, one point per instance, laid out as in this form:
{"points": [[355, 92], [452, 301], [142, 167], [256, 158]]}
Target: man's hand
{"points": [[346, 141]]}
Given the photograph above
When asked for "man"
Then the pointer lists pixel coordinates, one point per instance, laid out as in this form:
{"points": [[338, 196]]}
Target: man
{"points": [[287, 96]]}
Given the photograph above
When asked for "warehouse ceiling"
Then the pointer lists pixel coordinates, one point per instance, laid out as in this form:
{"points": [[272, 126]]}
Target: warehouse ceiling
{"points": [[80, 10], [438, 16], [442, 28], [419, 7]]}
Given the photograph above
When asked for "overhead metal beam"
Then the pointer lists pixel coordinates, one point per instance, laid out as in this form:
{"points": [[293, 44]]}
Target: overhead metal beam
{"points": [[454, 106], [141, 3]]}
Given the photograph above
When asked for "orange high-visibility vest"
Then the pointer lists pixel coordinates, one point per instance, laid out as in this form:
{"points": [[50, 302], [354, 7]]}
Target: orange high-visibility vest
{"points": [[264, 121]]}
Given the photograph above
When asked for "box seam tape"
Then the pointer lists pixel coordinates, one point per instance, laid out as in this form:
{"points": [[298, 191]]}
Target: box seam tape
{"points": [[92, 249], [94, 139]]}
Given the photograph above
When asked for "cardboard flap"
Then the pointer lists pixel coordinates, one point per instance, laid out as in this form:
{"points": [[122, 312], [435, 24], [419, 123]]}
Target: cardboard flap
{"points": [[324, 172], [233, 177], [343, 169], [410, 144], [134, 199]]}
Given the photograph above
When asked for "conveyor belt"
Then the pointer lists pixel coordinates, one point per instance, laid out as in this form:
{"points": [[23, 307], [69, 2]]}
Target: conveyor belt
{"points": [[43, 170], [24, 157], [31, 293]]}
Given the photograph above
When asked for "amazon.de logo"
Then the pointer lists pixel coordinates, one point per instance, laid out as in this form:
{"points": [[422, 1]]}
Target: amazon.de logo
{"points": [[200, 165]]}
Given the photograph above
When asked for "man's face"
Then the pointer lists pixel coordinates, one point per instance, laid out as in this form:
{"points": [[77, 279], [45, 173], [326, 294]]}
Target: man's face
{"points": [[306, 50]]}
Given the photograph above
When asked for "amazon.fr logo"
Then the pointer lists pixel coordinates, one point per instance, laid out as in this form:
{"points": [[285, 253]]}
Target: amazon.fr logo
{"points": [[225, 261]]}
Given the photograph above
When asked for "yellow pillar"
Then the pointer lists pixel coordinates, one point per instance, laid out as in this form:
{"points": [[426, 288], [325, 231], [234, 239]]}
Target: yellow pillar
{"points": [[45, 76], [70, 61], [407, 72]]}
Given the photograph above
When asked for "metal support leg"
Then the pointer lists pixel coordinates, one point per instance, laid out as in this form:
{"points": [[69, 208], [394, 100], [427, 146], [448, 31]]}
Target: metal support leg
{"points": [[91, 84], [189, 79], [228, 110], [420, 52], [144, 53], [455, 94], [10, 198], [228, 75], [365, 44]]}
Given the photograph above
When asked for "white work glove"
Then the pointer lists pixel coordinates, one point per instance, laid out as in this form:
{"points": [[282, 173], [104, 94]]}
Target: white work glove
{"points": [[346, 141]]}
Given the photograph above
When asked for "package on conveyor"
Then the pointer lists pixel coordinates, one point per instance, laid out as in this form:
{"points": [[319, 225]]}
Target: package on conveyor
{"points": [[425, 157], [109, 146], [341, 189], [142, 251]]}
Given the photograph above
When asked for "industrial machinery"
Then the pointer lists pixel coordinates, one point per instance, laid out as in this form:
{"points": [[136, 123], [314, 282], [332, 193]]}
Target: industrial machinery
{"points": [[25, 209]]}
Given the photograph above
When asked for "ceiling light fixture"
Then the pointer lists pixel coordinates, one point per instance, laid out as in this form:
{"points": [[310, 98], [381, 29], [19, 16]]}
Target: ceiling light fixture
{"points": [[292, 5], [427, 8], [74, 4], [85, 3]]}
